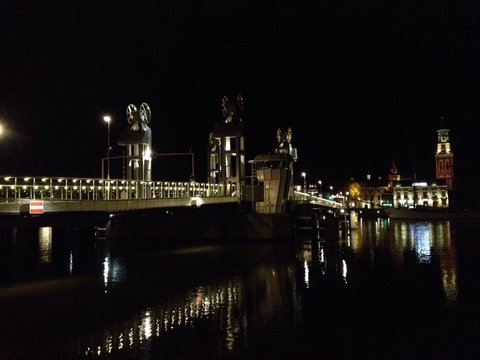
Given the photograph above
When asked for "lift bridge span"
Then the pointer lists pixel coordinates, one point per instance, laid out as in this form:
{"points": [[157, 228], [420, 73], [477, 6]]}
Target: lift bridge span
{"points": [[67, 194]]}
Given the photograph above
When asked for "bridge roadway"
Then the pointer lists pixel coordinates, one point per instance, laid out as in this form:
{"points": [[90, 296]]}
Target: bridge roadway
{"points": [[66, 194], [302, 197]]}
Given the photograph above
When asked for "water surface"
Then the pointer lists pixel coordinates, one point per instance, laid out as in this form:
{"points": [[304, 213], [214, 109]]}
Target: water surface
{"points": [[388, 290]]}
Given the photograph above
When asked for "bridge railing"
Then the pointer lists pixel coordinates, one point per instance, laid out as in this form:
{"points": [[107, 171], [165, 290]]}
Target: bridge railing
{"points": [[70, 188], [300, 196]]}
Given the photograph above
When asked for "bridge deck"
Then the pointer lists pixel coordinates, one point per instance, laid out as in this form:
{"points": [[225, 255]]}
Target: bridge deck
{"points": [[303, 197], [87, 195], [83, 195], [55, 206]]}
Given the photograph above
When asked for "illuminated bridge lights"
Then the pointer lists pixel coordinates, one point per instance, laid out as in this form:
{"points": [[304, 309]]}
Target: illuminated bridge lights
{"points": [[12, 189]]}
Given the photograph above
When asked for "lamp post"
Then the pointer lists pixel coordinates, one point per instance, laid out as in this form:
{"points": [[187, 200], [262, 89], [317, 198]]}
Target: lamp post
{"points": [[304, 175], [108, 119], [320, 188]]}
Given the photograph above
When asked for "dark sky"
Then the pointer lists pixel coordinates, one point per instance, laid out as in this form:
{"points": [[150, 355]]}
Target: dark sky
{"points": [[359, 83]]}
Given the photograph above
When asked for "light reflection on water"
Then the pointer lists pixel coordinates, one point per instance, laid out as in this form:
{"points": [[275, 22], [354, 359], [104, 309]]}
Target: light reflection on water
{"points": [[429, 241], [240, 299], [157, 321], [45, 244]]}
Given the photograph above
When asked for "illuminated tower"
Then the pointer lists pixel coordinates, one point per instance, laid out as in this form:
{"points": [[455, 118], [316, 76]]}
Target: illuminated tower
{"points": [[393, 175], [138, 142], [444, 158], [226, 152]]}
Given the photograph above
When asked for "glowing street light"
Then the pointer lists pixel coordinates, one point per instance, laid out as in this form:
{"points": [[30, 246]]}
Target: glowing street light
{"points": [[4, 131], [304, 175], [320, 188]]}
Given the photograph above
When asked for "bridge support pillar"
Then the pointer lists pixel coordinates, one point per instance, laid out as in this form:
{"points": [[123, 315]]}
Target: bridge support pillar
{"points": [[316, 223], [353, 219]]}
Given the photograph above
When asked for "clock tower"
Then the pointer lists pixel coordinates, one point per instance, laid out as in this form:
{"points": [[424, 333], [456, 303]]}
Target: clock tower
{"points": [[444, 158]]}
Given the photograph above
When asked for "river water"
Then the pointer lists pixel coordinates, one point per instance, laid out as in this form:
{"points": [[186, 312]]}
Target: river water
{"points": [[388, 290]]}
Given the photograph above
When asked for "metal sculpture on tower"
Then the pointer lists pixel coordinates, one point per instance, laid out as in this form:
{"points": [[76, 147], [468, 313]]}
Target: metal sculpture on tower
{"points": [[284, 143], [284, 146], [138, 142]]}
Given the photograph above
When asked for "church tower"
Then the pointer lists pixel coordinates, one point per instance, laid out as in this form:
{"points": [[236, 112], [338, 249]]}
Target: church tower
{"points": [[393, 175], [444, 158]]}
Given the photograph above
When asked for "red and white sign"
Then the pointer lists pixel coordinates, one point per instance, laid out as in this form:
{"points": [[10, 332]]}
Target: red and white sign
{"points": [[36, 206]]}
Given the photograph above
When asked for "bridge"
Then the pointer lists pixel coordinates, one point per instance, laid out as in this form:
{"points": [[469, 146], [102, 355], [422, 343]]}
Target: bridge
{"points": [[70, 194], [269, 191], [303, 197]]}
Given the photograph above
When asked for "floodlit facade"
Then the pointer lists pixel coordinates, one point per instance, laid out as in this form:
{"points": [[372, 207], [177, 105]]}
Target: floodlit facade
{"points": [[410, 193]]}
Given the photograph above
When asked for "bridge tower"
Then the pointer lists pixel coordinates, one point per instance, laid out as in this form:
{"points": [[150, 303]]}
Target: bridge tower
{"points": [[226, 147], [284, 146], [138, 142]]}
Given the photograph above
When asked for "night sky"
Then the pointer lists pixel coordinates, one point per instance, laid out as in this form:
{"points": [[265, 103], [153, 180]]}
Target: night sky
{"points": [[360, 84]]}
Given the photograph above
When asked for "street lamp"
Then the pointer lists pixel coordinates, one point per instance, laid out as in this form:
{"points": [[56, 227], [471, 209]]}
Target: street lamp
{"points": [[3, 129], [304, 175], [320, 188], [108, 119]]}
